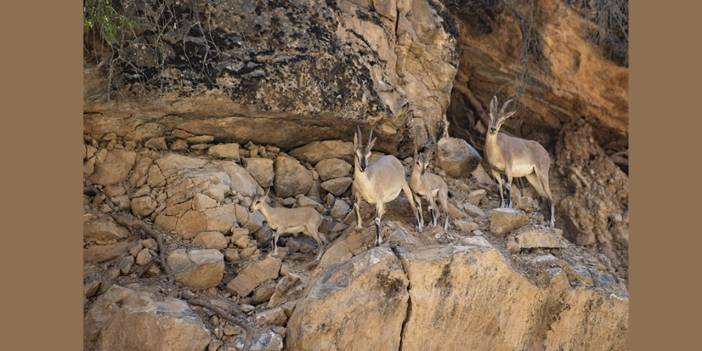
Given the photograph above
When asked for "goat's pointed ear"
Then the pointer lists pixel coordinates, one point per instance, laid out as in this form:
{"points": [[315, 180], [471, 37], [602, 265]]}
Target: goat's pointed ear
{"points": [[493, 105], [357, 137]]}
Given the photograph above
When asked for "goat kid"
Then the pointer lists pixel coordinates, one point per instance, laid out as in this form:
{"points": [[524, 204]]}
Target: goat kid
{"points": [[429, 186], [285, 220]]}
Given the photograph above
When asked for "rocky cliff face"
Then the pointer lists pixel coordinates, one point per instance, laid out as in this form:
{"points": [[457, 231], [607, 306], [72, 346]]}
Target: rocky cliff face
{"points": [[314, 68], [568, 88], [211, 104], [540, 50]]}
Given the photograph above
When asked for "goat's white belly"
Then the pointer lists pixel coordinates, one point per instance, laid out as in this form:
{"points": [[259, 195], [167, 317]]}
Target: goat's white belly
{"points": [[522, 170], [293, 229], [385, 197]]}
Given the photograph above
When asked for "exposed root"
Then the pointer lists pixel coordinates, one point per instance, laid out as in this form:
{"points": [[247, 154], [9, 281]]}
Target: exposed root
{"points": [[135, 225], [236, 320]]}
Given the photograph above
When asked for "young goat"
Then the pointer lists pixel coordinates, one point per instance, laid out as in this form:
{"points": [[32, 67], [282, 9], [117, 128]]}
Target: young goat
{"points": [[284, 220], [516, 157], [378, 182], [429, 186]]}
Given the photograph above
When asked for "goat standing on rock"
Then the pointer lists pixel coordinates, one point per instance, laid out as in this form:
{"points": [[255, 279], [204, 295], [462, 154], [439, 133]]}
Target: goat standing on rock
{"points": [[429, 186], [516, 157], [377, 182], [285, 220]]}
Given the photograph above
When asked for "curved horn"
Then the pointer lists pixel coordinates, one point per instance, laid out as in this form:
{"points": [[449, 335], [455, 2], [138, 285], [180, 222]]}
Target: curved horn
{"points": [[371, 140], [493, 105], [360, 135], [505, 105], [355, 138]]}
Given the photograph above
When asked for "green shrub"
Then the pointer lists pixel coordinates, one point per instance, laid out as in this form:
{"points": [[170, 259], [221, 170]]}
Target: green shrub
{"points": [[102, 17]]}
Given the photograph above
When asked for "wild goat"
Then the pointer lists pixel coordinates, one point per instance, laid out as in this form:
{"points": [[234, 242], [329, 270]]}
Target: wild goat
{"points": [[377, 182], [429, 186], [284, 220], [516, 157]]}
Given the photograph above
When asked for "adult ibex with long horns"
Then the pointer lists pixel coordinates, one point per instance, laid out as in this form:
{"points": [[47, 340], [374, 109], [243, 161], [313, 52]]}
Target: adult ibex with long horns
{"points": [[516, 157]]}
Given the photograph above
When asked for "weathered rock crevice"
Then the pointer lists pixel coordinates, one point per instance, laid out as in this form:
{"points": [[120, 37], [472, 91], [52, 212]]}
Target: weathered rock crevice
{"points": [[408, 312]]}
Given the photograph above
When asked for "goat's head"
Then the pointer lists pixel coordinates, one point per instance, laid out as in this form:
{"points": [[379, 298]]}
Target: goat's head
{"points": [[362, 153], [421, 160], [259, 201], [498, 117]]}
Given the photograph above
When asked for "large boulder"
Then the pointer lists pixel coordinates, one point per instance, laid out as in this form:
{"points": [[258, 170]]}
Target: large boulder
{"points": [[261, 169], [337, 186], [143, 206], [505, 220], [253, 275], [470, 298], [128, 319], [187, 222], [320, 150], [103, 230], [291, 177], [113, 166], [197, 269], [227, 151], [333, 168], [107, 252], [457, 158], [357, 305], [535, 237], [211, 240], [241, 181]]}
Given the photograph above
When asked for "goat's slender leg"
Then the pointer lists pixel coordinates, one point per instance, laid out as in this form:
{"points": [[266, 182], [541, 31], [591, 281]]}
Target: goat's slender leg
{"points": [[543, 179], [436, 211], [509, 187], [433, 209], [419, 208], [315, 234], [275, 242], [498, 178], [357, 207], [408, 194], [542, 188], [379, 211], [443, 199]]}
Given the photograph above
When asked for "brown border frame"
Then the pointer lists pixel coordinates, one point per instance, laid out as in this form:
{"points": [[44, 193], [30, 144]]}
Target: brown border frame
{"points": [[41, 74]]}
